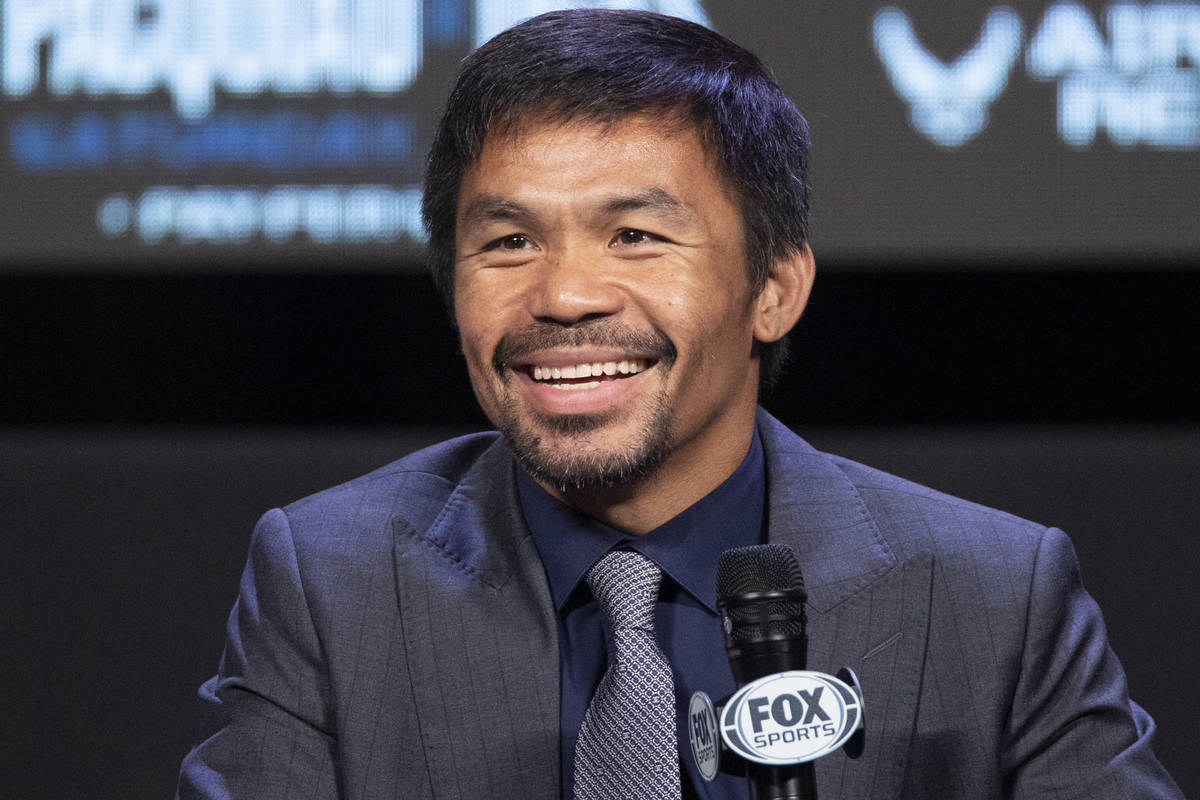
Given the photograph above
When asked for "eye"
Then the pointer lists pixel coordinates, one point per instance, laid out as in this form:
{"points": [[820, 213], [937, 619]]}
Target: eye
{"points": [[632, 236], [516, 241]]}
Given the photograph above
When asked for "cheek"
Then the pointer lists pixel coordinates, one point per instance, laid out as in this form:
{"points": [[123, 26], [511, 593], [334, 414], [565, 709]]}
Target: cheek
{"points": [[488, 297], [476, 346], [483, 317], [471, 310], [703, 312], [472, 332], [672, 296], [720, 341]]}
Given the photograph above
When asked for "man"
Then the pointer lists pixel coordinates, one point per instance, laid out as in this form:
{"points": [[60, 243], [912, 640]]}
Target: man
{"points": [[618, 205]]}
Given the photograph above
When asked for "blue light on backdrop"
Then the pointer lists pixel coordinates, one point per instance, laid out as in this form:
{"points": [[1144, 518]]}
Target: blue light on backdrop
{"points": [[131, 128]]}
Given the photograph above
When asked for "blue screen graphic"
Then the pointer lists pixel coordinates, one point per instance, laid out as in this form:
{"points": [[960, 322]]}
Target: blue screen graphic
{"points": [[222, 134]]}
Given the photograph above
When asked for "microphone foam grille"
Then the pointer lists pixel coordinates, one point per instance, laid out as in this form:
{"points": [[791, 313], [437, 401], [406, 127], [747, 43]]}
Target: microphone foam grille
{"points": [[762, 568]]}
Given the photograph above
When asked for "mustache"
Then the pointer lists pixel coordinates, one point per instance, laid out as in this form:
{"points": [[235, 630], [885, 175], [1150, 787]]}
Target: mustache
{"points": [[597, 333]]}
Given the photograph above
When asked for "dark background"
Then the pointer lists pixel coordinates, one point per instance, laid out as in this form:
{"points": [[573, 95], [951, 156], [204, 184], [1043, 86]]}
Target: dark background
{"points": [[918, 346], [1013, 321]]}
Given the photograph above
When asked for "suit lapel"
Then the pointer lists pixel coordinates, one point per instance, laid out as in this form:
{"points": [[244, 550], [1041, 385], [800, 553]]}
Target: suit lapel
{"points": [[481, 642], [867, 610]]}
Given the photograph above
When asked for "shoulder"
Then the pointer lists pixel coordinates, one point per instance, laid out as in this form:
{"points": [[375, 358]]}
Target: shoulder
{"points": [[1006, 572], [438, 467], [886, 519], [416, 487], [909, 517], [915, 517]]}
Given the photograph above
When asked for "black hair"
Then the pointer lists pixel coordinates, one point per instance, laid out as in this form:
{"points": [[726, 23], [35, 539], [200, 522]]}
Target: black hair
{"points": [[604, 65]]}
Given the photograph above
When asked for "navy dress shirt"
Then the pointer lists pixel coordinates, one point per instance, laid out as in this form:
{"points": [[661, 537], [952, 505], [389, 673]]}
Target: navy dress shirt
{"points": [[687, 549]]}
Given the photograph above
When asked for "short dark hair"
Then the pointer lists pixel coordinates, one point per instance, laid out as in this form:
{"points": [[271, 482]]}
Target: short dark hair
{"points": [[604, 65]]}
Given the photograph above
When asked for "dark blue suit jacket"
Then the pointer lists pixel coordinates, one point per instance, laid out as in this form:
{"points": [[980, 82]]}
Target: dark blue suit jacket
{"points": [[394, 637]]}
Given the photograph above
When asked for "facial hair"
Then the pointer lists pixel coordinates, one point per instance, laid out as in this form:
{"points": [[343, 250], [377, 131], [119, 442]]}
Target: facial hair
{"points": [[584, 468]]}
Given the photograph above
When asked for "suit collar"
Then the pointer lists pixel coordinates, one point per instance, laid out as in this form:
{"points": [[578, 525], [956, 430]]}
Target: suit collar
{"points": [[481, 527], [814, 508]]}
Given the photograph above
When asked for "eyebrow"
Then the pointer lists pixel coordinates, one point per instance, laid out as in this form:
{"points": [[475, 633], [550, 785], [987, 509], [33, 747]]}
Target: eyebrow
{"points": [[496, 208], [493, 208], [654, 199]]}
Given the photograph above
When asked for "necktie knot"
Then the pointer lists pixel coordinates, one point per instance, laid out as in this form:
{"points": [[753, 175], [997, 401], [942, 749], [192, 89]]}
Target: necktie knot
{"points": [[625, 584]]}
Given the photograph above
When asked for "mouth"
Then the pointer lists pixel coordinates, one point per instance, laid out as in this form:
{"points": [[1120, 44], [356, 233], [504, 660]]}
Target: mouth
{"points": [[586, 375]]}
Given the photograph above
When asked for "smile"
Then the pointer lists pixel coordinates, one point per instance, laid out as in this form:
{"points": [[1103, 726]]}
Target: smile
{"points": [[575, 376], [585, 381]]}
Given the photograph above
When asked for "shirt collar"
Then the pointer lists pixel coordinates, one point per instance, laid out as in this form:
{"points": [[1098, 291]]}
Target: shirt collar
{"points": [[687, 547]]}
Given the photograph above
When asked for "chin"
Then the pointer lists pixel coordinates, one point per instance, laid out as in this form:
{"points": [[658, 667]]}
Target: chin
{"points": [[578, 451]]}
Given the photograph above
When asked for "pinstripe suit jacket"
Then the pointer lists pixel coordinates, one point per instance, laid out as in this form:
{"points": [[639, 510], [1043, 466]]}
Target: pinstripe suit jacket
{"points": [[394, 637]]}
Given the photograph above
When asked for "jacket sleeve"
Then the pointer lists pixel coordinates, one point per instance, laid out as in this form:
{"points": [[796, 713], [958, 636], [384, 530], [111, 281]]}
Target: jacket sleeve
{"points": [[273, 732], [1073, 731]]}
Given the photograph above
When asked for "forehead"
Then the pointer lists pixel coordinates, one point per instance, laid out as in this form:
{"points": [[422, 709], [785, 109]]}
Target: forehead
{"points": [[635, 153], [667, 121]]}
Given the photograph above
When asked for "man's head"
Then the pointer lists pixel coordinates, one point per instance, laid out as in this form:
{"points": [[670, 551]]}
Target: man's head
{"points": [[617, 207], [600, 66]]}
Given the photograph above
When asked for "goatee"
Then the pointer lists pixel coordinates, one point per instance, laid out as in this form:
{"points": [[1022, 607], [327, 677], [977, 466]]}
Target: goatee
{"points": [[587, 467]]}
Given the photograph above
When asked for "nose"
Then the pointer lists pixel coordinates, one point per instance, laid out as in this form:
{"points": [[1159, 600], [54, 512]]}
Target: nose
{"points": [[572, 288]]}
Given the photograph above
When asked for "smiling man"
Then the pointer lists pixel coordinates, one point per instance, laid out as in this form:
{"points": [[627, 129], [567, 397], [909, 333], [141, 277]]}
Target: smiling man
{"points": [[618, 214], [607, 315]]}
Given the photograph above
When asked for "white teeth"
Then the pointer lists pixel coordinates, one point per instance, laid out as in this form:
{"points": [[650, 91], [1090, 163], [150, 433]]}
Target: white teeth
{"points": [[627, 367]]}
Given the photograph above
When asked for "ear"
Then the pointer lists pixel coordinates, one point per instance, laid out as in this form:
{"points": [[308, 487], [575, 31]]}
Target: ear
{"points": [[783, 298]]}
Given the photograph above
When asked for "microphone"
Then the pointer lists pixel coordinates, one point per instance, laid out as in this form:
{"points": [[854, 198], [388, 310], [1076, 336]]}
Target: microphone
{"points": [[760, 596]]}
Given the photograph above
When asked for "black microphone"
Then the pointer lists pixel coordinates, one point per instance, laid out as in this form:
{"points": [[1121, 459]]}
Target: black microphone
{"points": [[760, 596]]}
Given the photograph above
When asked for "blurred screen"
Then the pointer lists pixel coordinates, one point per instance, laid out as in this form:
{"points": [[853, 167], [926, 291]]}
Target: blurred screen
{"points": [[224, 135]]}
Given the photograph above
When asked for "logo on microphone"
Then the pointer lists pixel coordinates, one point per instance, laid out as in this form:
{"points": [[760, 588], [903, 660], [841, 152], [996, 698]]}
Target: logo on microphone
{"points": [[791, 717], [702, 730]]}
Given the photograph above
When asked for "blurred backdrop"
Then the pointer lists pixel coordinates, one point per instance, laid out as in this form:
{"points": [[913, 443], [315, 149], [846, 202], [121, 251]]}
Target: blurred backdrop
{"points": [[212, 302]]}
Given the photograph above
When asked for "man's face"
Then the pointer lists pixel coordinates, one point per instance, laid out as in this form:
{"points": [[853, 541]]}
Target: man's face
{"points": [[602, 298]]}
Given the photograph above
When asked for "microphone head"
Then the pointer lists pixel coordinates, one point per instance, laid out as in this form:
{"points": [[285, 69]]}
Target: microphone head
{"points": [[760, 595], [762, 568]]}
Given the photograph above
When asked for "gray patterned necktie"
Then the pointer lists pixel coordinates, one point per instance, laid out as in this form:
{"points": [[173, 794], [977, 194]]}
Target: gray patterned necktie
{"points": [[627, 745]]}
